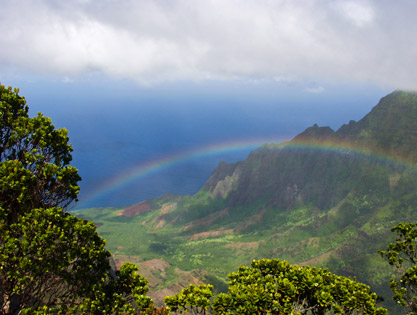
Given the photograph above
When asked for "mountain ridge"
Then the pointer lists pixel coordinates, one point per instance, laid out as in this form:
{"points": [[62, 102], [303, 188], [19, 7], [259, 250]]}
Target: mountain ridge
{"points": [[376, 133]]}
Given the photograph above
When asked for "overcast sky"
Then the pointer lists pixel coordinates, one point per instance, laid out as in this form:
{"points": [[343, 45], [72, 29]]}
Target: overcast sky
{"points": [[367, 41]]}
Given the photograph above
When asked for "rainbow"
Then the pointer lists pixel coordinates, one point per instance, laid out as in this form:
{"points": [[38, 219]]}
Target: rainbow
{"points": [[153, 166], [156, 165], [340, 147]]}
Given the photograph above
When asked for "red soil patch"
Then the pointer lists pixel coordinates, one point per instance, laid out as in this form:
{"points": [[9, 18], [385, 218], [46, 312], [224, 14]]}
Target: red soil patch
{"points": [[160, 224], [137, 208], [155, 264], [119, 260], [154, 271], [168, 207], [159, 221], [185, 278]]}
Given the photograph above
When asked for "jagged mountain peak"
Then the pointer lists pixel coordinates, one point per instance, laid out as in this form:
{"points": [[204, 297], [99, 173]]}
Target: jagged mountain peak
{"points": [[285, 176]]}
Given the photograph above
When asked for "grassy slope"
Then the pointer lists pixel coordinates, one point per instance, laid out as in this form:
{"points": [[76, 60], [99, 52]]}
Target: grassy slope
{"points": [[347, 244]]}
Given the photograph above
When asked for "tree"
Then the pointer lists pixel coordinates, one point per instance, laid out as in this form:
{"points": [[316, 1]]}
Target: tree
{"points": [[195, 299], [276, 287], [272, 286], [34, 158], [51, 261], [402, 256]]}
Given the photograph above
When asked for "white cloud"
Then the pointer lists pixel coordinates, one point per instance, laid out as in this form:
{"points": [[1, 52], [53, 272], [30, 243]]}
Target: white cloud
{"points": [[359, 13], [67, 80], [153, 41], [315, 90]]}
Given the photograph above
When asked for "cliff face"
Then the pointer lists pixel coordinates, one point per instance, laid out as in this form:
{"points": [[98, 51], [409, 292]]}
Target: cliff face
{"points": [[321, 166]]}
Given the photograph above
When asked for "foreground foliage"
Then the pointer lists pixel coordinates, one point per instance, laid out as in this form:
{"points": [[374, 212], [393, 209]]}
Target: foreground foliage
{"points": [[195, 299], [402, 256], [272, 286], [51, 261]]}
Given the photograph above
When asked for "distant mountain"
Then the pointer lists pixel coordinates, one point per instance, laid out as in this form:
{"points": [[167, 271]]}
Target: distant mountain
{"points": [[325, 198], [321, 165]]}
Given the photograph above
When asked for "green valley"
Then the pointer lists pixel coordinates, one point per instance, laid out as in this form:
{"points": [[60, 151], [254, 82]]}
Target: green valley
{"points": [[326, 198]]}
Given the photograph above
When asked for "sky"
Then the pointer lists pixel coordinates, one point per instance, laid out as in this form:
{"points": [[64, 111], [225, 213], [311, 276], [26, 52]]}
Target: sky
{"points": [[158, 41], [134, 81]]}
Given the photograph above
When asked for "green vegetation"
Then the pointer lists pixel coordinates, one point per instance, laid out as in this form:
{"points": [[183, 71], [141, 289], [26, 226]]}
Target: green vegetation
{"points": [[51, 261], [277, 287], [195, 299], [344, 237], [326, 199], [402, 256], [306, 205]]}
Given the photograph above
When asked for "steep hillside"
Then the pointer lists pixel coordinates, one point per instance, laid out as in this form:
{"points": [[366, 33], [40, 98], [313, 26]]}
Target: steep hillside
{"points": [[389, 129], [326, 198], [321, 166]]}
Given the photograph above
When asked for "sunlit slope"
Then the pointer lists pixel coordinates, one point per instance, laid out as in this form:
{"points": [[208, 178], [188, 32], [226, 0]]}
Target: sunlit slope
{"points": [[326, 198]]}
